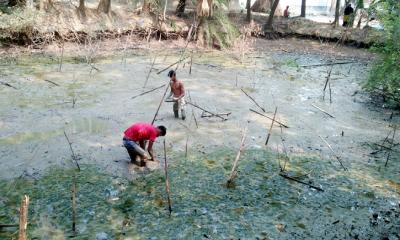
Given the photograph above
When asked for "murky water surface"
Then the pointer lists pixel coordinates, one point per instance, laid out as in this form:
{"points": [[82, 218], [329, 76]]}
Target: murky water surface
{"points": [[119, 201]]}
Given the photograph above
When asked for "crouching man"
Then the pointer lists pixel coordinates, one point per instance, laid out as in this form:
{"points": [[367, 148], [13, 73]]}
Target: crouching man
{"points": [[135, 138]]}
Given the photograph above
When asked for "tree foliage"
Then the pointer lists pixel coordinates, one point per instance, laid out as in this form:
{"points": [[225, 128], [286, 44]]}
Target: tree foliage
{"points": [[384, 77]]}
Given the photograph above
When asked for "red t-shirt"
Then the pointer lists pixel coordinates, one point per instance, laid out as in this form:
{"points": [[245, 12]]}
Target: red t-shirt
{"points": [[141, 132]]}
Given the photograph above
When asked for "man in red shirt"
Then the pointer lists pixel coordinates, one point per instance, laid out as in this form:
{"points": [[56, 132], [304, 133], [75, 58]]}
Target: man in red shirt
{"points": [[135, 138]]}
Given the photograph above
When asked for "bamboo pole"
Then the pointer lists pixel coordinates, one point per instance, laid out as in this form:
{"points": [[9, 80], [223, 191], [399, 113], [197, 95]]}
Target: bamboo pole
{"points": [[152, 90], [233, 173], [23, 218], [299, 181], [270, 128], [322, 110], [391, 146], [328, 77], [148, 74], [167, 179], [213, 114], [73, 205], [180, 60], [253, 100], [278, 122], [74, 157], [159, 106], [334, 153]]}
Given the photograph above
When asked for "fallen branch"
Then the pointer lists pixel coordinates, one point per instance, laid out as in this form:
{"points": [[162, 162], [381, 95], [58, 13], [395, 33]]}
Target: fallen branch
{"points": [[299, 181], [334, 153], [213, 114], [180, 60], [23, 218], [152, 90], [283, 125], [233, 173], [74, 157], [330, 115], [166, 179], [56, 84], [327, 64], [270, 128], [159, 106], [252, 99]]}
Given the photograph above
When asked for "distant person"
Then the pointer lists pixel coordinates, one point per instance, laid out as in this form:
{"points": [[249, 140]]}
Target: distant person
{"points": [[286, 13], [348, 11], [135, 138], [177, 95]]}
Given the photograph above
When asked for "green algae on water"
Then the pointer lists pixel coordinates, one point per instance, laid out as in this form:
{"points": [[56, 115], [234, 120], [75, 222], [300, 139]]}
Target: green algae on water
{"points": [[262, 204]]}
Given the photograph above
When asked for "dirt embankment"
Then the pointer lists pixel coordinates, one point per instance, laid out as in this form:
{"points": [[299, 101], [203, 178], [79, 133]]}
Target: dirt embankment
{"points": [[64, 22]]}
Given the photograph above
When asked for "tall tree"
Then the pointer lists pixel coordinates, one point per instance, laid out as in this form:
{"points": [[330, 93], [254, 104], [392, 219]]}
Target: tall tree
{"points": [[248, 17], [104, 6], [81, 9], [337, 11], [180, 9], [268, 25], [303, 8]]}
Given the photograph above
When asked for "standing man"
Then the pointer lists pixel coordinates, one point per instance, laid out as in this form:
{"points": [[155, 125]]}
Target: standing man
{"points": [[135, 138], [286, 13], [348, 11], [177, 94]]}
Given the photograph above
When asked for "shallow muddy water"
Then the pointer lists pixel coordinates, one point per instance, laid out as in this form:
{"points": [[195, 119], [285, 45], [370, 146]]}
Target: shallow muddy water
{"points": [[95, 107]]}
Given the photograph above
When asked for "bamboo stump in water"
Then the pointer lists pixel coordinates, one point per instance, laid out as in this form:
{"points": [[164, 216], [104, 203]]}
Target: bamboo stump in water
{"points": [[23, 218]]}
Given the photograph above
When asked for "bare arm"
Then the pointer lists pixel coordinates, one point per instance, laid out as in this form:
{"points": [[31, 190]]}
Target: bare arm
{"points": [[150, 150]]}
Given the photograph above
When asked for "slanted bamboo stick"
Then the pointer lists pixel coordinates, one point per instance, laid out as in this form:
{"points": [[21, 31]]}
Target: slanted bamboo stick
{"points": [[213, 114], [233, 173], [252, 99], [159, 106], [148, 75], [278, 122], [334, 153], [152, 90], [74, 157], [322, 110], [270, 128], [173, 64], [391, 145], [299, 181]]}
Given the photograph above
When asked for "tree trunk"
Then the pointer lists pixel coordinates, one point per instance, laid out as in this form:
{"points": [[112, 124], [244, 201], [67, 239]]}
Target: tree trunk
{"points": [[104, 6], [248, 18], [303, 8], [146, 6], [180, 9], [268, 25], [337, 11], [82, 9]]}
